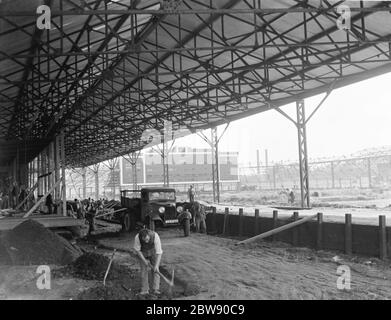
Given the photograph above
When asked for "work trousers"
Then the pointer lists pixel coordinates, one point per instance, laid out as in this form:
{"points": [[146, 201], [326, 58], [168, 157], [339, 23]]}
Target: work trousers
{"points": [[144, 276], [200, 225]]}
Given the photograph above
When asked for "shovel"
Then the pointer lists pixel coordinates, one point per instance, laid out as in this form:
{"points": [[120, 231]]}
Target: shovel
{"points": [[169, 282]]}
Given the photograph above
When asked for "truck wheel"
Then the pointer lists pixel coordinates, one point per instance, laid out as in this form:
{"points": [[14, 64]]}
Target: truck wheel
{"points": [[186, 227], [128, 222]]}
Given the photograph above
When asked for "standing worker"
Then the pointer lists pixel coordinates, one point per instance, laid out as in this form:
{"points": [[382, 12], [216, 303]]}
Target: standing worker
{"points": [[191, 193], [14, 196], [199, 217], [291, 196], [184, 219], [149, 249], [49, 203], [90, 217]]}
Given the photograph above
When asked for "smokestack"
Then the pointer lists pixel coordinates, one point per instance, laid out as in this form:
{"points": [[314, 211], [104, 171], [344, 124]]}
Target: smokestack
{"points": [[258, 163]]}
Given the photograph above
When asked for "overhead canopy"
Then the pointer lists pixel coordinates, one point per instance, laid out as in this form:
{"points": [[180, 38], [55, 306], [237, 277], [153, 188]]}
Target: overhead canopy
{"points": [[108, 70]]}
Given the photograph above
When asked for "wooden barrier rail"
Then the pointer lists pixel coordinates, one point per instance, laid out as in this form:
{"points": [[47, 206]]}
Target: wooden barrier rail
{"points": [[347, 237]]}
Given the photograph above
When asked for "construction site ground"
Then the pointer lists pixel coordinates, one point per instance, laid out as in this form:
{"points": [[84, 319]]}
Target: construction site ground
{"points": [[217, 269], [210, 267]]}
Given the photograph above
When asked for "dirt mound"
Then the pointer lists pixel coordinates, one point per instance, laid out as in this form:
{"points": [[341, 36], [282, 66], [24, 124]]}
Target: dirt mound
{"points": [[30, 243], [93, 266]]}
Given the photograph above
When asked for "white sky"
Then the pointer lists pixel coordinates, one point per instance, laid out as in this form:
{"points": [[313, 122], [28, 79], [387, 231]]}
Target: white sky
{"points": [[351, 119]]}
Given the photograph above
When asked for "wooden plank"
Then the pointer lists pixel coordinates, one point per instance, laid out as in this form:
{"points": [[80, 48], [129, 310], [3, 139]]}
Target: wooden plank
{"points": [[107, 213], [213, 220], [275, 222], [41, 200], [52, 221], [28, 195], [382, 238], [279, 229], [348, 233]]}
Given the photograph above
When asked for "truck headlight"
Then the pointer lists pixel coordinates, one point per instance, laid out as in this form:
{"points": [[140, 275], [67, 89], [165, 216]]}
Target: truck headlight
{"points": [[162, 210], [179, 209]]}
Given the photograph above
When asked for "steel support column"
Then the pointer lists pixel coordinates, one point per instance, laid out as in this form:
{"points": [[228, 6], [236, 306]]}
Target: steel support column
{"points": [[164, 155], [303, 155], [133, 158], [63, 187], [95, 170], [112, 164], [84, 181]]}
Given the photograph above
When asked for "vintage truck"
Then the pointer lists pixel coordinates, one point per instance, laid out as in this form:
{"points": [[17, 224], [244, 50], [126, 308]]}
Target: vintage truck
{"points": [[149, 206]]}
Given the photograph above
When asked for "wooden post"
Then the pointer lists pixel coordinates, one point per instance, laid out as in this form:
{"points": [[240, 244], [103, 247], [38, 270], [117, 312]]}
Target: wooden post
{"points": [[382, 237], [96, 176], [213, 220], [256, 219], [63, 187], [225, 224], [275, 222], [348, 233], [240, 222], [295, 231], [319, 233]]}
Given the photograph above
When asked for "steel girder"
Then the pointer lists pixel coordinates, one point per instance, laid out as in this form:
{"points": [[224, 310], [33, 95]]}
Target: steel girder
{"points": [[303, 154]]}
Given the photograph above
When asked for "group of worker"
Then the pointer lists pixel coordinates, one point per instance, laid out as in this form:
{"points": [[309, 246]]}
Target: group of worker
{"points": [[195, 215], [88, 209], [14, 196]]}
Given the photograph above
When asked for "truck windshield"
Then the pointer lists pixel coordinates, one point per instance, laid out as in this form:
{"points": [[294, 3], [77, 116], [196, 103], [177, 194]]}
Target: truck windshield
{"points": [[131, 194], [162, 195]]}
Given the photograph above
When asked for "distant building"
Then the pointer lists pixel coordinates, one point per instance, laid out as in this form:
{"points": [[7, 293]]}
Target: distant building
{"points": [[185, 166]]}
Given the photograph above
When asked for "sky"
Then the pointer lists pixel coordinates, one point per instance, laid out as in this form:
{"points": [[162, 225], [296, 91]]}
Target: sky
{"points": [[352, 118]]}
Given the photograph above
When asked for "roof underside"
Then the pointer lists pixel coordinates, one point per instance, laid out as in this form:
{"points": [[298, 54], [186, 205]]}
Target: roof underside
{"points": [[108, 70]]}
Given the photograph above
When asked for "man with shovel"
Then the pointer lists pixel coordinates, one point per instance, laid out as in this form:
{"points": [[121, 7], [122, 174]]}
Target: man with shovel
{"points": [[149, 249]]}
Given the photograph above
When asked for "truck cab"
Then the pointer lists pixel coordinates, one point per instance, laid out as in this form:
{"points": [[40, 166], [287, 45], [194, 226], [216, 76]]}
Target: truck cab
{"points": [[150, 207]]}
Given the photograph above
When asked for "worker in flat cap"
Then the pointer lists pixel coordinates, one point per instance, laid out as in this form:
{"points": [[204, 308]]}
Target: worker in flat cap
{"points": [[149, 250]]}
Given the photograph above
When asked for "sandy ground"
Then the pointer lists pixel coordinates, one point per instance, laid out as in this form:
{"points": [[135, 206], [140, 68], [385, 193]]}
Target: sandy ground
{"points": [[212, 267], [221, 270], [359, 215], [364, 205]]}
